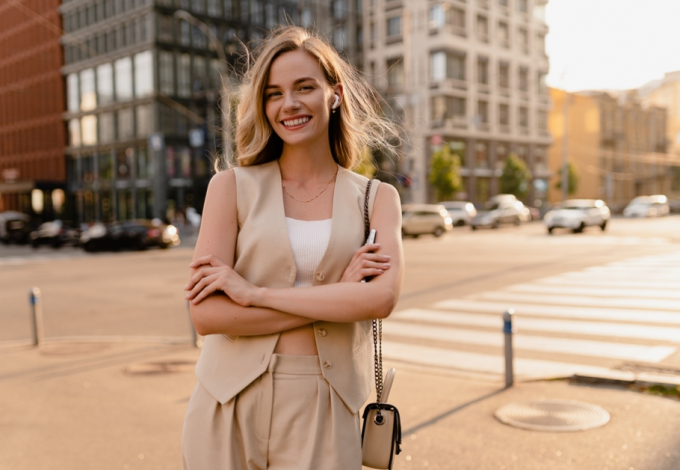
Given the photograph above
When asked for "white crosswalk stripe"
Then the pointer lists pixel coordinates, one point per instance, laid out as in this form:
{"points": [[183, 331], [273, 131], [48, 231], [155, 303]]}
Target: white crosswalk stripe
{"points": [[623, 311]]}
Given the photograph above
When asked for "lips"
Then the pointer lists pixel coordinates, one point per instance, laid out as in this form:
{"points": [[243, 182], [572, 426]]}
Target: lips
{"points": [[295, 122]]}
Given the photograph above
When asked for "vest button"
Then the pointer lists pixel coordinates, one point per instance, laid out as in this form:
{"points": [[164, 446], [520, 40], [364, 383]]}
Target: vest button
{"points": [[322, 332], [320, 277], [327, 364]]}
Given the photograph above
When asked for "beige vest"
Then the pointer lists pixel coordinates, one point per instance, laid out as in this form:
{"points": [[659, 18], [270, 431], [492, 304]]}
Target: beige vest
{"points": [[229, 364]]}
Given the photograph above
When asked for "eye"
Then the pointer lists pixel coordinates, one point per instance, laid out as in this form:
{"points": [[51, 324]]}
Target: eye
{"points": [[306, 87], [273, 93]]}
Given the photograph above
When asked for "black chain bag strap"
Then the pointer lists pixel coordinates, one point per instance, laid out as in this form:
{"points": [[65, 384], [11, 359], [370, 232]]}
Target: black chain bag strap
{"points": [[381, 432]]}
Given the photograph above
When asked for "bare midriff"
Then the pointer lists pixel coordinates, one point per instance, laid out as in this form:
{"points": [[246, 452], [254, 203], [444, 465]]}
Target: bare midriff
{"points": [[297, 342]]}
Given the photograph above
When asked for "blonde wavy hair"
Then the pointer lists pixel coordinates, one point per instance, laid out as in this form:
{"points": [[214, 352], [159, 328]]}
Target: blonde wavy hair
{"points": [[358, 125]]}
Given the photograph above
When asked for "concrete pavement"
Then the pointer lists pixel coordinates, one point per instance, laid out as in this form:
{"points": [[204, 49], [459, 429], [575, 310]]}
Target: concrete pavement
{"points": [[94, 406]]}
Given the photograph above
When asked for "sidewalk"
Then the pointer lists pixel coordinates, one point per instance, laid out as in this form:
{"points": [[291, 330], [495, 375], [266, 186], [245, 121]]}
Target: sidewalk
{"points": [[121, 406]]}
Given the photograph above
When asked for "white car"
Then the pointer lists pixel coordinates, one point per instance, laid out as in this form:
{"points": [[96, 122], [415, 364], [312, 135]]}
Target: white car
{"points": [[461, 212], [577, 214], [417, 219], [648, 206]]}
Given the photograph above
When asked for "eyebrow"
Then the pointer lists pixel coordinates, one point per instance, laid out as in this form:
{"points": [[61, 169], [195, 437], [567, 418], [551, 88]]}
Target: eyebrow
{"points": [[299, 80]]}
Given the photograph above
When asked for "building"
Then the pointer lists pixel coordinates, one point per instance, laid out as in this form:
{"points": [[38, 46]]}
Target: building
{"points": [[32, 134], [143, 93], [666, 93], [616, 144], [469, 74]]}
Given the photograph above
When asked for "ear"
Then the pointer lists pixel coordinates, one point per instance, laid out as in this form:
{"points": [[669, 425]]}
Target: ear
{"points": [[337, 90]]}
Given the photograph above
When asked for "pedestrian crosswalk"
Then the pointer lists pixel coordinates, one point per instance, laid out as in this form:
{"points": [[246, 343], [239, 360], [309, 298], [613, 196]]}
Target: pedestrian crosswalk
{"points": [[586, 322]]}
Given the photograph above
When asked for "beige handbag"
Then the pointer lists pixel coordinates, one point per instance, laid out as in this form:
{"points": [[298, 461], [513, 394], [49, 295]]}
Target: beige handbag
{"points": [[381, 433]]}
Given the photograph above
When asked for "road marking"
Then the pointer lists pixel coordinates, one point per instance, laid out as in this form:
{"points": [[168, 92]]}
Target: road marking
{"points": [[484, 363], [578, 347], [580, 301], [623, 315], [618, 330], [598, 281], [596, 291]]}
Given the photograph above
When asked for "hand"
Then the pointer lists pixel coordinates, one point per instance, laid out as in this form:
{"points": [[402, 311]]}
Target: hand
{"points": [[214, 275], [365, 264]]}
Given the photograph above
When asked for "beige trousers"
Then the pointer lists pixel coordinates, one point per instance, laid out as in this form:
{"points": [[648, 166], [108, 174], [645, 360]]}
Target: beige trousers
{"points": [[287, 419]]}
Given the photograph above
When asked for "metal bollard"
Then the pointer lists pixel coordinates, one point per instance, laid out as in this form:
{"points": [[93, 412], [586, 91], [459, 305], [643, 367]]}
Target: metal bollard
{"points": [[507, 333], [194, 334], [34, 297]]}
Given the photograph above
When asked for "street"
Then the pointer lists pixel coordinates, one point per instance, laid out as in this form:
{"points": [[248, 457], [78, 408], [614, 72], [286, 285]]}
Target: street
{"points": [[594, 303]]}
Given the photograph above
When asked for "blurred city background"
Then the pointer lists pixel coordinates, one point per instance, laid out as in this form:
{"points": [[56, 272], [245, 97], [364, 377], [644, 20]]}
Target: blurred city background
{"points": [[539, 171]]}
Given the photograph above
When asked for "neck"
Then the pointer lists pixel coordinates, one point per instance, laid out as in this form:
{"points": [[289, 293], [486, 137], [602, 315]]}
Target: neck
{"points": [[307, 163]]}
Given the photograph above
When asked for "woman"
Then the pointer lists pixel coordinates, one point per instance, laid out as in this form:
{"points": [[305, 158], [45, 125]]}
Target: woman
{"points": [[275, 282]]}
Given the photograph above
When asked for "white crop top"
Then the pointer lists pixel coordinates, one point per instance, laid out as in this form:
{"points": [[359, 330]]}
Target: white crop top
{"points": [[308, 240]]}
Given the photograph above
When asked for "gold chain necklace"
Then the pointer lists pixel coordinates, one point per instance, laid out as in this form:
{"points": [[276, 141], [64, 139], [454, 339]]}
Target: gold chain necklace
{"points": [[322, 191]]}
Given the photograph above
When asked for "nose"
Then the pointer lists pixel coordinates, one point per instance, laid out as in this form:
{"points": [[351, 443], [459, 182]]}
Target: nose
{"points": [[290, 102]]}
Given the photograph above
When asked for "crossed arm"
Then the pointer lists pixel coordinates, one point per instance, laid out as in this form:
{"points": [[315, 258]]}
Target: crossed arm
{"points": [[222, 302]]}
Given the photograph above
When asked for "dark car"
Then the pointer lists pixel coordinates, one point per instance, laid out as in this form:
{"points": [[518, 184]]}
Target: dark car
{"points": [[130, 235], [14, 227], [56, 234]]}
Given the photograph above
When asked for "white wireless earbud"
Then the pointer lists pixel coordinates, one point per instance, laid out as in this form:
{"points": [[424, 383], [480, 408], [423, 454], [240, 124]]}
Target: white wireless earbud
{"points": [[337, 101]]}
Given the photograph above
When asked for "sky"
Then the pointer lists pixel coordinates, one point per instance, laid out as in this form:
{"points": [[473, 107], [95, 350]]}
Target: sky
{"points": [[611, 44]]}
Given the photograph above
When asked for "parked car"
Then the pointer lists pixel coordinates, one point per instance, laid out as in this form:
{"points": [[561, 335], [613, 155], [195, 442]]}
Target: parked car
{"points": [[14, 227], [648, 206], [577, 214], [56, 234], [418, 219], [497, 211], [130, 234], [461, 212]]}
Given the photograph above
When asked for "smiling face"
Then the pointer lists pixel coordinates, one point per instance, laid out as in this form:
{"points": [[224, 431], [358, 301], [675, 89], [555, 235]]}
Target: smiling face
{"points": [[298, 99]]}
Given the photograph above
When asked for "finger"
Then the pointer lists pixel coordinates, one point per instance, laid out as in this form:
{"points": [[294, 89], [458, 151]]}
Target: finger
{"points": [[208, 290], [367, 272], [200, 274], [374, 265], [212, 260], [200, 286], [376, 257]]}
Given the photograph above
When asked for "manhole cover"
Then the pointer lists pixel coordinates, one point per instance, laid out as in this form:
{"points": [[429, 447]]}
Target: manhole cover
{"points": [[164, 367], [72, 349], [553, 415]]}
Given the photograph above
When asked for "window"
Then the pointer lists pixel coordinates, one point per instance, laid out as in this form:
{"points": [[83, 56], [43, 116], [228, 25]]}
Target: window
{"points": [[200, 76], [123, 72], [88, 94], [522, 6], [443, 14], [445, 65], [184, 33], [542, 120], [483, 112], [198, 38], [540, 44], [483, 70], [504, 75], [184, 157], [503, 34], [306, 17], [198, 6], [74, 132], [524, 40], [166, 73], [270, 15], [360, 36], [105, 166], [447, 107], [144, 74], [165, 29], [523, 117], [339, 8], [504, 115], [437, 17], [72, 95], [144, 120], [503, 3], [542, 85], [126, 124], [395, 73], [124, 160], [184, 76], [214, 8], [523, 79], [394, 26], [107, 128], [89, 129], [482, 28], [228, 8], [144, 163], [372, 32], [338, 38]]}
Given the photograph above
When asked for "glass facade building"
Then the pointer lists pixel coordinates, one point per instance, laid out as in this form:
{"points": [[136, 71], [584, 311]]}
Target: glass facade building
{"points": [[140, 80]]}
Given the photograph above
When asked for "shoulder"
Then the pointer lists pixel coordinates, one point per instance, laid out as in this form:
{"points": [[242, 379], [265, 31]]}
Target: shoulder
{"points": [[387, 198], [255, 171]]}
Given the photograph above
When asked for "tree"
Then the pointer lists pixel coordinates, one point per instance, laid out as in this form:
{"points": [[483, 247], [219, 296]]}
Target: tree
{"points": [[572, 185], [445, 173], [516, 177], [366, 165]]}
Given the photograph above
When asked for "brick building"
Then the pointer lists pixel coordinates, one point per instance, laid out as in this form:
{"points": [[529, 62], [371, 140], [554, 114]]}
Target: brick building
{"points": [[32, 132]]}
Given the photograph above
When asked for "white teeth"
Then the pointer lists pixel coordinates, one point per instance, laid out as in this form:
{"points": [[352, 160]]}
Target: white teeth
{"points": [[296, 122]]}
